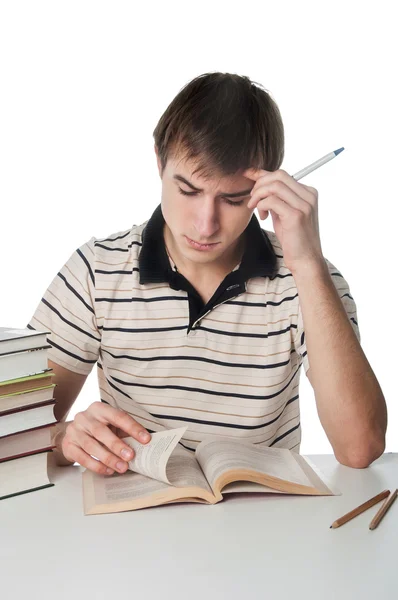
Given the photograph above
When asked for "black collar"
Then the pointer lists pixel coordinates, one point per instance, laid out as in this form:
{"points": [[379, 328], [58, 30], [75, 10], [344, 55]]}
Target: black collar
{"points": [[259, 259]]}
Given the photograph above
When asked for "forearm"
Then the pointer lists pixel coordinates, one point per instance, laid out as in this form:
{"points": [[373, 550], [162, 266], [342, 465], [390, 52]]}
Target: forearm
{"points": [[349, 400]]}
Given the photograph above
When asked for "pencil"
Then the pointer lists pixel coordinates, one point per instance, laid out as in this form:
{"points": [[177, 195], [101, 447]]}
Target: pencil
{"points": [[383, 509], [360, 509], [315, 165]]}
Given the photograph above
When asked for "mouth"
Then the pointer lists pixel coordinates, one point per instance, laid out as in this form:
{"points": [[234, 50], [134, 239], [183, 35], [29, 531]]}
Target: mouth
{"points": [[199, 246]]}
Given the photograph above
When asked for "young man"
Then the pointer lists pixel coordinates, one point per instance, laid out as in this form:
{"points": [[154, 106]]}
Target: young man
{"points": [[198, 317]]}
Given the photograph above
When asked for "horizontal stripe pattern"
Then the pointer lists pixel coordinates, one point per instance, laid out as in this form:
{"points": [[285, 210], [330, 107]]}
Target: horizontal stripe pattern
{"points": [[235, 374]]}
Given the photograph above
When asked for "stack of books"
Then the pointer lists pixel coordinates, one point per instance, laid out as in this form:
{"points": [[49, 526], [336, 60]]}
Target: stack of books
{"points": [[26, 411]]}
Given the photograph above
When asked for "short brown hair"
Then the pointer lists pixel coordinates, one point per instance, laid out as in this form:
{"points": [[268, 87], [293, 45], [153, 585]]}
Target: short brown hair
{"points": [[226, 121]]}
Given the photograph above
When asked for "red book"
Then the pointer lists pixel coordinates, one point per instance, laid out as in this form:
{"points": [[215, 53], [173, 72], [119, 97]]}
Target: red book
{"points": [[25, 443]]}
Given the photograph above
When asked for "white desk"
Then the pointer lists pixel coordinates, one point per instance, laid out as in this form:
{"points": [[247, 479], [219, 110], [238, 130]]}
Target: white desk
{"points": [[245, 547]]}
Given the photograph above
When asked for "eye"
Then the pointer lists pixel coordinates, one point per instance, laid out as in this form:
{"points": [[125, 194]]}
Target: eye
{"points": [[230, 202], [239, 203], [187, 193]]}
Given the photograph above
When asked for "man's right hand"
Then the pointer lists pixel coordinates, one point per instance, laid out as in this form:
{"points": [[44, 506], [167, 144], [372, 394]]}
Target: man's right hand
{"points": [[90, 434]]}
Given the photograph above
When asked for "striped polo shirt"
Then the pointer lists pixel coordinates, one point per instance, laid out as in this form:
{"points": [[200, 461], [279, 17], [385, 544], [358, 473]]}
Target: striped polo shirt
{"points": [[230, 368]]}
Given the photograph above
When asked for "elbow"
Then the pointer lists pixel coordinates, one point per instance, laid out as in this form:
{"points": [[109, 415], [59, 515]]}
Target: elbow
{"points": [[362, 458], [367, 446]]}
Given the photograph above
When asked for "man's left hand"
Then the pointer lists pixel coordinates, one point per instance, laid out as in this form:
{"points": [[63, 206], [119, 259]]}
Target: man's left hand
{"points": [[294, 210]]}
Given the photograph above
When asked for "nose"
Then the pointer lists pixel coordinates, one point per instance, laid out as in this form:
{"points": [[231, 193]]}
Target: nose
{"points": [[207, 221]]}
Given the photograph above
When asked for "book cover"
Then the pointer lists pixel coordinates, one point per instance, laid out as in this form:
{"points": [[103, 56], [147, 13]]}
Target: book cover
{"points": [[26, 418], [23, 363], [12, 339], [21, 384], [23, 475], [24, 443]]}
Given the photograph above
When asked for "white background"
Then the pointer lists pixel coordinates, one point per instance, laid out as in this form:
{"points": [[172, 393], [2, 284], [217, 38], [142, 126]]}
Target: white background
{"points": [[83, 85]]}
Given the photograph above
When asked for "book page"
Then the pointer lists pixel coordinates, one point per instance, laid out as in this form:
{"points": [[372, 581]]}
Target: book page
{"points": [[151, 459], [318, 478], [249, 486], [131, 491], [220, 456], [165, 460], [183, 470], [118, 492]]}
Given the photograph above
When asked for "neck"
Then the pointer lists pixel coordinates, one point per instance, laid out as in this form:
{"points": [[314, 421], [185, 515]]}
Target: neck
{"points": [[198, 271]]}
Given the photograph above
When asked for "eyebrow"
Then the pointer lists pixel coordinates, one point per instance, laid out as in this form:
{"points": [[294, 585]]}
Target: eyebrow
{"points": [[226, 195]]}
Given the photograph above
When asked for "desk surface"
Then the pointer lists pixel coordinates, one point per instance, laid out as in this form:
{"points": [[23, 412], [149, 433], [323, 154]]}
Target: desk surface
{"points": [[248, 546]]}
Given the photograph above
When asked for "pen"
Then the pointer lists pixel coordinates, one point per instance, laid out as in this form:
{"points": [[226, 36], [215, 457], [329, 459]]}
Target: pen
{"points": [[360, 509], [383, 509], [316, 164]]}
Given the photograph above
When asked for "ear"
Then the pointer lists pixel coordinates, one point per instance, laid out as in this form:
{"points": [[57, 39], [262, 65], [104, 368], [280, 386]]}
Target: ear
{"points": [[158, 161]]}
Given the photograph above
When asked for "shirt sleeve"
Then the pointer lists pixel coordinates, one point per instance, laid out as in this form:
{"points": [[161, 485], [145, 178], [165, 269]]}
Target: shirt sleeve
{"points": [[348, 303], [67, 311]]}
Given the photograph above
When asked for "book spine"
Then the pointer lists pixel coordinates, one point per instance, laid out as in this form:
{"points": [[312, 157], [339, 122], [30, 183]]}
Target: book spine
{"points": [[44, 347], [42, 487], [3, 437], [13, 411], [16, 456], [27, 391]]}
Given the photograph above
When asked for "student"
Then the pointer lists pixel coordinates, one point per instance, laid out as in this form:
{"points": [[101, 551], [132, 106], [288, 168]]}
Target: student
{"points": [[200, 318]]}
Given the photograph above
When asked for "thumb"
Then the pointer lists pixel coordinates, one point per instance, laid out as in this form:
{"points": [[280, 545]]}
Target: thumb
{"points": [[263, 214]]}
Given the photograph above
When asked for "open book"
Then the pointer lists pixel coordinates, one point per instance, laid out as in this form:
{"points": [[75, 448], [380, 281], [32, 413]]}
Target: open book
{"points": [[164, 472]]}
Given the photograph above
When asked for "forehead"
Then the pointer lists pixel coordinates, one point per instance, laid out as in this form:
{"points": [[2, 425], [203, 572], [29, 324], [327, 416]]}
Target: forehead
{"points": [[192, 169]]}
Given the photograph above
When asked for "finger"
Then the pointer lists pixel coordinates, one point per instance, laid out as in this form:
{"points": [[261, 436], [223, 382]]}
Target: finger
{"points": [[88, 427], [263, 214], [108, 458], [255, 174], [282, 191], [275, 204], [78, 455], [112, 442], [122, 420], [307, 193], [312, 190]]}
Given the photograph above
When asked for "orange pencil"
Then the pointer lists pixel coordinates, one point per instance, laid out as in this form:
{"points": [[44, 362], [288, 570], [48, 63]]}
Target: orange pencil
{"points": [[360, 509], [383, 509]]}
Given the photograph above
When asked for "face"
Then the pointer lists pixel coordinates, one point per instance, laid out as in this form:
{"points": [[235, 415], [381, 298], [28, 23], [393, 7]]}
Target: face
{"points": [[204, 219]]}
